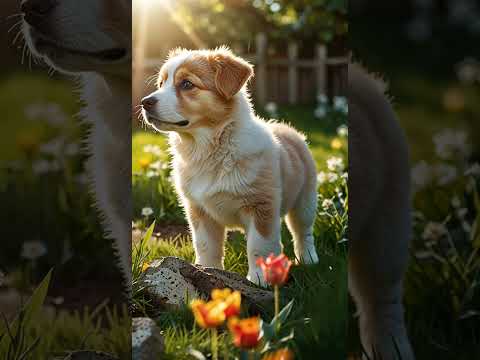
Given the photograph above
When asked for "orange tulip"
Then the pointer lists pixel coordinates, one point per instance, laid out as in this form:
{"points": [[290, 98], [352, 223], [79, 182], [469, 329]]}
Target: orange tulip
{"points": [[282, 354], [232, 300], [246, 333], [209, 314], [275, 268]]}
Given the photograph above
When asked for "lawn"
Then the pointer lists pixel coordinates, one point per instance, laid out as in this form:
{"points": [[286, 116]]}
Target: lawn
{"points": [[319, 292]]}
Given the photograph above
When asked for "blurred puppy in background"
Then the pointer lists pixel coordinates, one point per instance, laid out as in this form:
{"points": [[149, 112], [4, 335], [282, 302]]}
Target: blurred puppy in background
{"points": [[91, 40], [379, 218]]}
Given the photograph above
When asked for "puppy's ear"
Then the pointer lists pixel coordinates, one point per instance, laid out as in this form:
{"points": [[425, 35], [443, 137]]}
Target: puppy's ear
{"points": [[231, 73]]}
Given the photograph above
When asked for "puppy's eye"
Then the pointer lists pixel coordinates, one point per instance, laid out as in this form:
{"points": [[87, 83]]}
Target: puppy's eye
{"points": [[160, 84], [186, 85]]}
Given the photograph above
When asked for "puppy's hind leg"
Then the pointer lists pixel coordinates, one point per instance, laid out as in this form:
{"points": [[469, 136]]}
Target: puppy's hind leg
{"points": [[300, 221]]}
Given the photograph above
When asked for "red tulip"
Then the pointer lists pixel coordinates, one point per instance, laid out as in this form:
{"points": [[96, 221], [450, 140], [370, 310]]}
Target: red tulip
{"points": [[275, 268], [246, 333]]}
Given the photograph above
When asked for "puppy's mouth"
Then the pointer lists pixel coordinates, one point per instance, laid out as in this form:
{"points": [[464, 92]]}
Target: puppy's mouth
{"points": [[149, 116], [46, 46]]}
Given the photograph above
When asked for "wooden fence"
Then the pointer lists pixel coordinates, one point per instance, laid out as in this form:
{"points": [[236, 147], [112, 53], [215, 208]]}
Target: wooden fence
{"points": [[283, 80]]}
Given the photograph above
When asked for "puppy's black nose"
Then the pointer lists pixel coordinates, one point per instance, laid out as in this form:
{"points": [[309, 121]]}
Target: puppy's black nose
{"points": [[36, 11], [149, 102], [38, 7]]}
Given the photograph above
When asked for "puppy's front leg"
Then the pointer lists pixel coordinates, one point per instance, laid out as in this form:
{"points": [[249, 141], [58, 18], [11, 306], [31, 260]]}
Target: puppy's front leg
{"points": [[207, 235], [263, 238]]}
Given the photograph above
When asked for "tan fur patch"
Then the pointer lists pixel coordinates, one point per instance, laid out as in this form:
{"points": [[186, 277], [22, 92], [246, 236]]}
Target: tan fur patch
{"points": [[260, 202], [202, 104]]}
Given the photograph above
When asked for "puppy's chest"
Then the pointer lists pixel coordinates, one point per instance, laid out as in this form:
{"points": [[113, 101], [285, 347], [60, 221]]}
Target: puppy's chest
{"points": [[218, 193]]}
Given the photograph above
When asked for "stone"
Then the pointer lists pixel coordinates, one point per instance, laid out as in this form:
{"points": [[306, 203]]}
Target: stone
{"points": [[147, 340], [171, 281], [88, 355]]}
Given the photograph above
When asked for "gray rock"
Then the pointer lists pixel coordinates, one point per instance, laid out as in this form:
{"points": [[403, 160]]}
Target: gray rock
{"points": [[171, 281], [147, 341], [87, 355]]}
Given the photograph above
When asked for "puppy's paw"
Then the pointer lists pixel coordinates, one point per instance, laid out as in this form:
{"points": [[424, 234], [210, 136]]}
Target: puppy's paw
{"points": [[308, 256], [210, 263]]}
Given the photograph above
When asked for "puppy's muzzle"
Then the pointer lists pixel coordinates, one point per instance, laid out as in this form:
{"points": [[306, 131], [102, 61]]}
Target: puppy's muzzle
{"points": [[35, 11], [148, 104]]}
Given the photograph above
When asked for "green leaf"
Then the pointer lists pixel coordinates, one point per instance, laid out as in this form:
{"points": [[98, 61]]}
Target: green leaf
{"points": [[268, 331], [149, 232], [282, 315], [30, 312], [288, 337]]}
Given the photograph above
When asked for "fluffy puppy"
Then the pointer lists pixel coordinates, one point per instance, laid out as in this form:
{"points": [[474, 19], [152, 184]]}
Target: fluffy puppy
{"points": [[231, 168]]}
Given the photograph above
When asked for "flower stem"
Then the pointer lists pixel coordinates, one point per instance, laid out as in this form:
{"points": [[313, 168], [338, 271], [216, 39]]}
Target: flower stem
{"points": [[277, 300], [277, 306], [214, 344], [251, 355]]}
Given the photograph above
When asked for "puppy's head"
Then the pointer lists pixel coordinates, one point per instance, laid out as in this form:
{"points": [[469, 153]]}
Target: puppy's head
{"points": [[196, 89], [80, 36]]}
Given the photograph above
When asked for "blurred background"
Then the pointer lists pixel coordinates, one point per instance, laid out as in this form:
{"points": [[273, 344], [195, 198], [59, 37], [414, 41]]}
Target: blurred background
{"points": [[47, 216], [426, 51]]}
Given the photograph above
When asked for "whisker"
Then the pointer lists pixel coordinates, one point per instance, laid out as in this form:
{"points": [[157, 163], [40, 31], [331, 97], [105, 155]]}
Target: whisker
{"points": [[16, 37], [23, 53], [18, 23], [13, 15]]}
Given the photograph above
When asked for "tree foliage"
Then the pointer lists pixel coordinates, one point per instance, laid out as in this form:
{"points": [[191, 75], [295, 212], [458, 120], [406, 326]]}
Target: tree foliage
{"points": [[237, 21]]}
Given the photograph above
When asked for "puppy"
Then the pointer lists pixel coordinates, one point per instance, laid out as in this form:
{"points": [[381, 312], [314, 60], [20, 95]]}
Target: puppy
{"points": [[231, 168], [91, 40], [379, 218]]}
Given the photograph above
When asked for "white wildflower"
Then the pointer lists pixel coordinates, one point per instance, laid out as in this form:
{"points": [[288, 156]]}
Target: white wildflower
{"points": [[449, 143], [151, 174], [53, 147], [43, 166], [159, 165], [434, 231], [445, 174], [49, 112], [271, 108], [456, 203], [152, 149], [473, 170], [342, 130], [422, 174], [468, 70], [320, 112], [332, 177], [335, 163], [147, 211], [32, 250], [321, 178], [322, 98], [327, 204], [340, 103]]}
